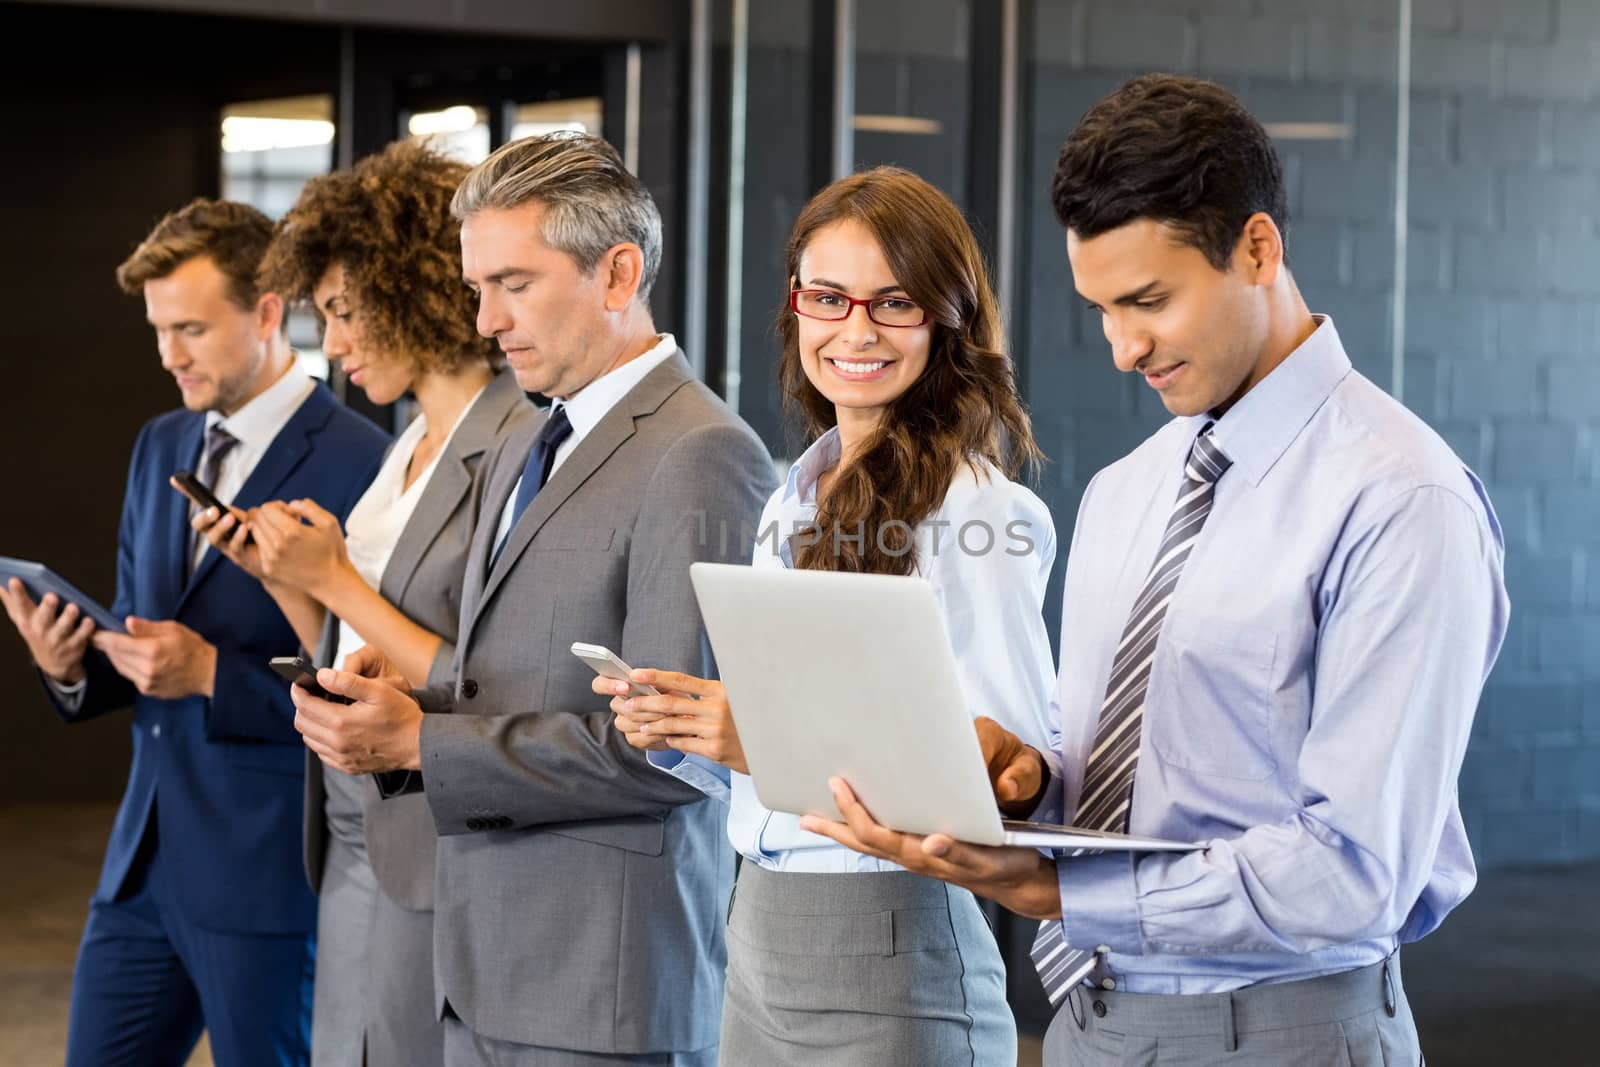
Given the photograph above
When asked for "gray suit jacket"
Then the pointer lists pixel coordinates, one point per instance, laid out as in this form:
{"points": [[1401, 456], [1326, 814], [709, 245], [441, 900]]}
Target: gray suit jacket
{"points": [[581, 892], [423, 580]]}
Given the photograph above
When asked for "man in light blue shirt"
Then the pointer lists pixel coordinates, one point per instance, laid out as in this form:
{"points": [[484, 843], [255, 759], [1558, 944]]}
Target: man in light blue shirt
{"points": [[1279, 613]]}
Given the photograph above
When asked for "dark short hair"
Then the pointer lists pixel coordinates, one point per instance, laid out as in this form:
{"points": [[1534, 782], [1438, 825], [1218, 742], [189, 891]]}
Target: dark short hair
{"points": [[234, 235], [1178, 150]]}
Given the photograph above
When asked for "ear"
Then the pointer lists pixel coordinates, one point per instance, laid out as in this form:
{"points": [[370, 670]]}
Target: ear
{"points": [[623, 268], [269, 315], [1260, 250]]}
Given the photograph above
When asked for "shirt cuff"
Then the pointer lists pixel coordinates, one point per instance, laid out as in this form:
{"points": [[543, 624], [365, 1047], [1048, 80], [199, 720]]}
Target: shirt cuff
{"points": [[70, 696], [1100, 902], [708, 777]]}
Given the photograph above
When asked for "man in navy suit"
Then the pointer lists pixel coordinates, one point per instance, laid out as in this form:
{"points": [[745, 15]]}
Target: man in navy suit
{"points": [[202, 918]]}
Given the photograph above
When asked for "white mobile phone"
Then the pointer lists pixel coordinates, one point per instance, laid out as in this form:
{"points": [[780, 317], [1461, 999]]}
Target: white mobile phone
{"points": [[607, 664]]}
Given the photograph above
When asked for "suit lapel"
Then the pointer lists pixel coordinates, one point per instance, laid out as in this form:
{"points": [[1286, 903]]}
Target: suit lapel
{"points": [[172, 516], [591, 454], [450, 483], [283, 456], [513, 456]]}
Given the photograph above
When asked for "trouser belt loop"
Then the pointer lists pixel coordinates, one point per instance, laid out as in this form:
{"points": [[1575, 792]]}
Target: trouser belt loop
{"points": [[1390, 1002], [1230, 1039]]}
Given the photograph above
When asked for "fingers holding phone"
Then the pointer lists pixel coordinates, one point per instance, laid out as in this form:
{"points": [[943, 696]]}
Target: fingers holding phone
{"points": [[665, 709], [368, 661], [301, 544]]}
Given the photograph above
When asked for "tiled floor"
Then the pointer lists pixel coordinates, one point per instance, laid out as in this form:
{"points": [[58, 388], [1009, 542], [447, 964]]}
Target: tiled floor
{"points": [[1513, 978]]}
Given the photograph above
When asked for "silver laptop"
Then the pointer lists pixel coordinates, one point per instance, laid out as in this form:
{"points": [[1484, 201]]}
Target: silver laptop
{"points": [[852, 675]]}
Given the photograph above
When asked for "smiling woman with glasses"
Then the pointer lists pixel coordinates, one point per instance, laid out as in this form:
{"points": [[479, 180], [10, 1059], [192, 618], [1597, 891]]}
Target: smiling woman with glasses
{"points": [[893, 355]]}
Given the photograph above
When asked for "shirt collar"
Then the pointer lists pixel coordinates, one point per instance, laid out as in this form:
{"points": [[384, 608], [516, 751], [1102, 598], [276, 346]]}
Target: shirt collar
{"points": [[814, 462], [258, 422], [1257, 429], [594, 400]]}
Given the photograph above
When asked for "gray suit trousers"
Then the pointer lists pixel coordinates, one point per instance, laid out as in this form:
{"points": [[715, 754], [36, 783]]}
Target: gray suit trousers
{"points": [[344, 931], [403, 1028], [1356, 1019]]}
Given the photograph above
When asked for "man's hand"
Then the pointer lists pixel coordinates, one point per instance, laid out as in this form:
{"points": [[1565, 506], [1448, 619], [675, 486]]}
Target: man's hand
{"points": [[229, 534], [1016, 772], [1019, 879], [57, 636], [690, 715], [381, 730], [162, 659], [368, 661]]}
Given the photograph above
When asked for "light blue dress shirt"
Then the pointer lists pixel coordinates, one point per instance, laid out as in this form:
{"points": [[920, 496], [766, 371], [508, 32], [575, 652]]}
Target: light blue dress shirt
{"points": [[987, 552], [1312, 690]]}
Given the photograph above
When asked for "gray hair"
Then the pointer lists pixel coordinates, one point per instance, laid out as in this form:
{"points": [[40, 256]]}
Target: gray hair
{"points": [[592, 202]]}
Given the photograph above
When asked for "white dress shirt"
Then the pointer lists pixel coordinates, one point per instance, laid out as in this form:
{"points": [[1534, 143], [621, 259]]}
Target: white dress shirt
{"points": [[383, 512], [992, 596], [588, 407]]}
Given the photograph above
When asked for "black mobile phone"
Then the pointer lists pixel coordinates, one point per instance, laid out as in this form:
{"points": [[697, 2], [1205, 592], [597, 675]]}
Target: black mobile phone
{"points": [[199, 492], [303, 672]]}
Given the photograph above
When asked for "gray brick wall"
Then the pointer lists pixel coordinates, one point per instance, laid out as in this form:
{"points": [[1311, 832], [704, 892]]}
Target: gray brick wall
{"points": [[1503, 306]]}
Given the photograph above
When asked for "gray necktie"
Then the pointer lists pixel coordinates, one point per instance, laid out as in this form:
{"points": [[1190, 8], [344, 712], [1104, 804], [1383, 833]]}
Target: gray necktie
{"points": [[1107, 794], [219, 443]]}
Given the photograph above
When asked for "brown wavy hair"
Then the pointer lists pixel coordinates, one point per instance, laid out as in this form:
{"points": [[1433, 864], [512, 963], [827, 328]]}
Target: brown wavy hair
{"points": [[962, 409], [388, 221], [234, 235]]}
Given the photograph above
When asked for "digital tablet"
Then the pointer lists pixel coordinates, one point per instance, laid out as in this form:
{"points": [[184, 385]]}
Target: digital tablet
{"points": [[40, 580]]}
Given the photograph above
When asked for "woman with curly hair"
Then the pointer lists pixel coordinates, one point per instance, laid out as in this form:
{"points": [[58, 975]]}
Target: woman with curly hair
{"points": [[894, 356], [377, 253]]}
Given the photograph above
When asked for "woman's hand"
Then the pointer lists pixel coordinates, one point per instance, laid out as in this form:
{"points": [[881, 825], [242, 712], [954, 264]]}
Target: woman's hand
{"points": [[690, 715], [299, 545]]}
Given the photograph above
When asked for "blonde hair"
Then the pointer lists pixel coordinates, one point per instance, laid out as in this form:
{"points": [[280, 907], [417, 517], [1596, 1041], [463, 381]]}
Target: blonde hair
{"points": [[234, 235], [592, 203]]}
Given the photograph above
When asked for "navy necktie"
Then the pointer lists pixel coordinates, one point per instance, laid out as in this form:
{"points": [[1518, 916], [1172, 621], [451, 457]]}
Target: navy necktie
{"points": [[541, 457]]}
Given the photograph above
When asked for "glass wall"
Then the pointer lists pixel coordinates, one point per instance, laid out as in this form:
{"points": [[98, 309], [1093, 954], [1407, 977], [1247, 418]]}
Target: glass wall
{"points": [[270, 148]]}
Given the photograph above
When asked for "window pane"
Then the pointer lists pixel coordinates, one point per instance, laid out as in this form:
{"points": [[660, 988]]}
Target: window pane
{"points": [[269, 150], [913, 81]]}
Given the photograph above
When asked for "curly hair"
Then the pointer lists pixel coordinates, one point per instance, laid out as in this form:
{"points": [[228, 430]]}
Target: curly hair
{"points": [[1174, 149], [387, 221], [964, 407]]}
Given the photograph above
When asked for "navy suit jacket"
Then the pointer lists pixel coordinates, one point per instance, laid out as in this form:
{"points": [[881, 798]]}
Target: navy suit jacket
{"points": [[222, 777]]}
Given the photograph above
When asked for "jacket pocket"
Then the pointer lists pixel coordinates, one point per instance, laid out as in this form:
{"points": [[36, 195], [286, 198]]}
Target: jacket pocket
{"points": [[640, 834]]}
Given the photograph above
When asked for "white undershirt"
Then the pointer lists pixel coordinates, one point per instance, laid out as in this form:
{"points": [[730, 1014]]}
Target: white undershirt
{"points": [[384, 510]]}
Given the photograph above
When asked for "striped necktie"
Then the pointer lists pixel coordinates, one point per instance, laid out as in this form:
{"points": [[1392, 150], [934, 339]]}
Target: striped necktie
{"points": [[1107, 794], [219, 442]]}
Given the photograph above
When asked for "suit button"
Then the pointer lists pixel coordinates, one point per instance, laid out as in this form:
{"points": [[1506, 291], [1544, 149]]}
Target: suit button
{"points": [[1099, 1009], [475, 825], [469, 689], [155, 731]]}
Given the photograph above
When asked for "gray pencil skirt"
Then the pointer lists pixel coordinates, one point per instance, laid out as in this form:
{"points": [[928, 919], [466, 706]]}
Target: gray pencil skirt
{"points": [[875, 970]]}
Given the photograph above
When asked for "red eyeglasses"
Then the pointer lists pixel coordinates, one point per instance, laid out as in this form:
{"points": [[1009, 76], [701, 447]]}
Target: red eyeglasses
{"points": [[829, 306]]}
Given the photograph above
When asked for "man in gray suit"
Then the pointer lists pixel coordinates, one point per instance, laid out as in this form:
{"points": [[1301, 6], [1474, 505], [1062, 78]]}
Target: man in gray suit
{"points": [[580, 893]]}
